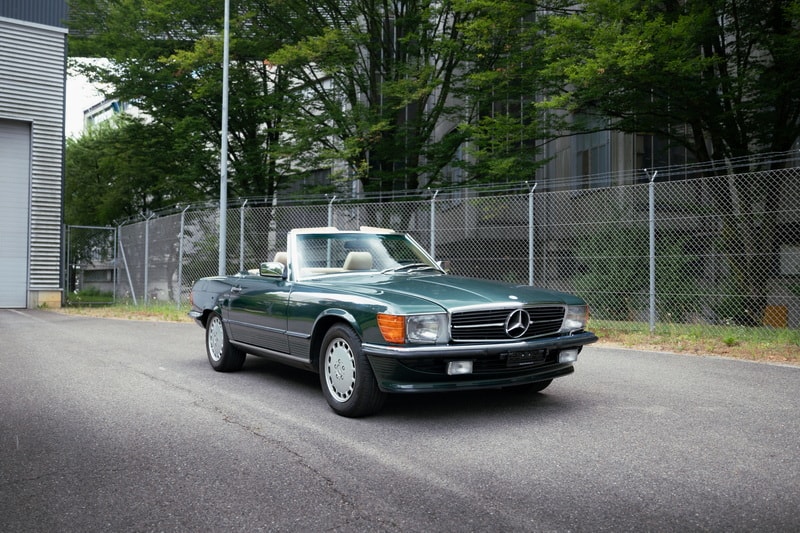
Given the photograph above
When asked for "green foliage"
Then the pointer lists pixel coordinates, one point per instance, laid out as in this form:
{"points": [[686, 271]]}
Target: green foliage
{"points": [[755, 343], [736, 307], [615, 278], [676, 290], [730, 341], [720, 79], [390, 71], [616, 273], [89, 296], [502, 149], [165, 57], [120, 169], [504, 130], [726, 70], [398, 91]]}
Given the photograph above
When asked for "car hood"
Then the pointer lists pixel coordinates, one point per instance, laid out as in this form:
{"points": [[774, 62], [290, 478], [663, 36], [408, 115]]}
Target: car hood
{"points": [[451, 292]]}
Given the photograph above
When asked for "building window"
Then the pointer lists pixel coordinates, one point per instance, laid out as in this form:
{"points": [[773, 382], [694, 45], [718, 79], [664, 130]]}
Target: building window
{"points": [[592, 159]]}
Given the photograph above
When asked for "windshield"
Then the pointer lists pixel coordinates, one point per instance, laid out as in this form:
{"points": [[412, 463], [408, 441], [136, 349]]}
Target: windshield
{"points": [[339, 253]]}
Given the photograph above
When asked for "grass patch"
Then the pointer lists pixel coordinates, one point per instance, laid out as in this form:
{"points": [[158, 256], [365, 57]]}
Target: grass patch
{"points": [[755, 344], [90, 296], [156, 311]]}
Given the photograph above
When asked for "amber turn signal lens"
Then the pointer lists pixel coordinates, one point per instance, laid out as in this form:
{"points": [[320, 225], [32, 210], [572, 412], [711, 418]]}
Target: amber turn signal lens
{"points": [[393, 328]]}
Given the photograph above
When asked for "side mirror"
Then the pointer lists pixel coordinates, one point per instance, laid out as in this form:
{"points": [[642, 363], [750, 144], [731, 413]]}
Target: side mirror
{"points": [[272, 269], [444, 265]]}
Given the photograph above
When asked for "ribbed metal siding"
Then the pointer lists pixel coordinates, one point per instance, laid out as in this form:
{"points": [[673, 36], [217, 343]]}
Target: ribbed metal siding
{"points": [[48, 12], [32, 85]]}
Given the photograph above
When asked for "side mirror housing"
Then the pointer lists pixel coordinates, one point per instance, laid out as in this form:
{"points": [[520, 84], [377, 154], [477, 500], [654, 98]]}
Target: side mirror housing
{"points": [[272, 269]]}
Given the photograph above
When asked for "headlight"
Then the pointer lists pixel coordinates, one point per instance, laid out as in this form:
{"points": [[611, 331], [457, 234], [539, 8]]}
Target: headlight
{"points": [[424, 329], [576, 317]]}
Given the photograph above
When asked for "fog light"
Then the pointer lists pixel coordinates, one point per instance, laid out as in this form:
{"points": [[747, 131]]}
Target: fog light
{"points": [[455, 368], [568, 356]]}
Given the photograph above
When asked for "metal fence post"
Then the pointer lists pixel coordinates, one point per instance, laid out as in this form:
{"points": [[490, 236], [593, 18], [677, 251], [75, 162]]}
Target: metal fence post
{"points": [[652, 239], [68, 264], [530, 235], [241, 236], [330, 223], [330, 211], [125, 262], [180, 256], [145, 297], [114, 275], [433, 224]]}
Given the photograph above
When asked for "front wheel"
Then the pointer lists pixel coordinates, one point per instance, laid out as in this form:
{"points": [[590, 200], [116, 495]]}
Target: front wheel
{"points": [[223, 356], [348, 384]]}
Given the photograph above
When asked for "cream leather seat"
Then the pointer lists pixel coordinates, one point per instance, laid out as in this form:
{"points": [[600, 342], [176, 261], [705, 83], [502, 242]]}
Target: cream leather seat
{"points": [[358, 261]]}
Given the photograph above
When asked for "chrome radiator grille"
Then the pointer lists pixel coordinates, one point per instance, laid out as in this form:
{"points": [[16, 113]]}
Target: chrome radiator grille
{"points": [[506, 323]]}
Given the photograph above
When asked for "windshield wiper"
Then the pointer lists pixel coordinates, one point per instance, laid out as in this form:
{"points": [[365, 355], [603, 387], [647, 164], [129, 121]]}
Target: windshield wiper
{"points": [[412, 267]]}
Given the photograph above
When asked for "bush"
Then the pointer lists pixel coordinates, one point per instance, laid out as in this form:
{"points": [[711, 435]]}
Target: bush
{"points": [[616, 275]]}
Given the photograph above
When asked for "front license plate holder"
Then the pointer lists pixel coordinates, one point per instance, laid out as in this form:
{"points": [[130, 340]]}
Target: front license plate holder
{"points": [[524, 358]]}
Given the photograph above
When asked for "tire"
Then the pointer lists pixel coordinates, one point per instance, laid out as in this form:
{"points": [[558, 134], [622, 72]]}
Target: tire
{"points": [[223, 356], [347, 381]]}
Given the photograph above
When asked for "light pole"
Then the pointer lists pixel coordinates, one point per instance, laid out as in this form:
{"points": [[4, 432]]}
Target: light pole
{"points": [[223, 157]]}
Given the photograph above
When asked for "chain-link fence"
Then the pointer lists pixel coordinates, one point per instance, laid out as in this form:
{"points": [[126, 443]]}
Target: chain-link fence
{"points": [[715, 250], [90, 274]]}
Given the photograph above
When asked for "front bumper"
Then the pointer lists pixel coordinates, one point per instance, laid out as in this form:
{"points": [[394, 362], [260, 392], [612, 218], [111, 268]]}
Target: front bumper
{"points": [[423, 368], [461, 351]]}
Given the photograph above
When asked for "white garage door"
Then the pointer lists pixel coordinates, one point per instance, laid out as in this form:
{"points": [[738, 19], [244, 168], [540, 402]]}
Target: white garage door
{"points": [[15, 164]]}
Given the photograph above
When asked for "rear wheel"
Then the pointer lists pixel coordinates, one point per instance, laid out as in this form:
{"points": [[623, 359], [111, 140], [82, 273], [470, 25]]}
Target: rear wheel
{"points": [[223, 356], [348, 384]]}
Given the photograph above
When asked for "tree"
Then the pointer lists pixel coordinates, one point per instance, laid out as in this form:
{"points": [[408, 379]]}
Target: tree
{"points": [[166, 58], [123, 168], [505, 130], [374, 80], [400, 92], [394, 89], [720, 78]]}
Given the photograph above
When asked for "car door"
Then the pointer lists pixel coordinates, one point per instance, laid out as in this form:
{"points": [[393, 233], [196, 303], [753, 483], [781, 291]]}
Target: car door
{"points": [[257, 312]]}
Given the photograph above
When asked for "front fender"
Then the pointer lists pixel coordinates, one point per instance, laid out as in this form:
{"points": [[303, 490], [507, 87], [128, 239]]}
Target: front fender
{"points": [[331, 315], [323, 322]]}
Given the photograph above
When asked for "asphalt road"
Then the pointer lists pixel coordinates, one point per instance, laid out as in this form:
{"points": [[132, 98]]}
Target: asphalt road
{"points": [[113, 425]]}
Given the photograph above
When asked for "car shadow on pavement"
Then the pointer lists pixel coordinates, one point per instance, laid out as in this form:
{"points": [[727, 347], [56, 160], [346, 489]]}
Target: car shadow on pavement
{"points": [[477, 404], [471, 404], [294, 377]]}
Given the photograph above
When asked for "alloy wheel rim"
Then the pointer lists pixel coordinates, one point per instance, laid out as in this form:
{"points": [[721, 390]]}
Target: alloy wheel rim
{"points": [[215, 339], [340, 370]]}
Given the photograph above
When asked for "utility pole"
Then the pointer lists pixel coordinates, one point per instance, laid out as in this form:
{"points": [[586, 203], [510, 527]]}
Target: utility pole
{"points": [[223, 157]]}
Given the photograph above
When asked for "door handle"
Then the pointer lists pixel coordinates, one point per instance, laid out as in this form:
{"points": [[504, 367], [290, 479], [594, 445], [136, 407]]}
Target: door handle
{"points": [[236, 289]]}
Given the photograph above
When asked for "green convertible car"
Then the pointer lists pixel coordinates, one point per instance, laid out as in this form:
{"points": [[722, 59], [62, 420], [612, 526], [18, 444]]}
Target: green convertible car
{"points": [[373, 313]]}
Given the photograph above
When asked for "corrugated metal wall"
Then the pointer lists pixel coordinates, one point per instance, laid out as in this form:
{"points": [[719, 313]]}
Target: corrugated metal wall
{"points": [[32, 85], [47, 12]]}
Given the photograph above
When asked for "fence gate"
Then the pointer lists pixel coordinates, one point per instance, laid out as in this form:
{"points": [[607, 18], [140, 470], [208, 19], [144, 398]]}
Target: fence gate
{"points": [[91, 265]]}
